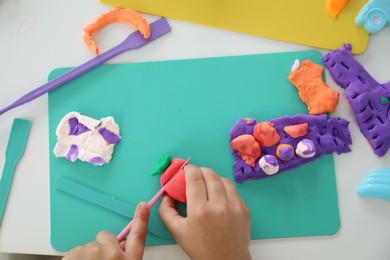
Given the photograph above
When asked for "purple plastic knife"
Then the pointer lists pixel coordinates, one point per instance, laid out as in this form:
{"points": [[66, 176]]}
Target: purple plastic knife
{"points": [[133, 41]]}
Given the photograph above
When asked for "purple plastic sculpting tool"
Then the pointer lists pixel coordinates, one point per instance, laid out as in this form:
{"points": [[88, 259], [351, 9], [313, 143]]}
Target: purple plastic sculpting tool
{"points": [[133, 41]]}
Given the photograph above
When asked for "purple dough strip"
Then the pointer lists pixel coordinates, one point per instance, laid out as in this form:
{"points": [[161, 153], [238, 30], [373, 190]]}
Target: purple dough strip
{"points": [[368, 99], [329, 135], [72, 153], [109, 136], [77, 128]]}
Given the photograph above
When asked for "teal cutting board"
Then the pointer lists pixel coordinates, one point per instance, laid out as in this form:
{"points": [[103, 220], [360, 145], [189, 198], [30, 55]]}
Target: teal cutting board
{"points": [[187, 107]]}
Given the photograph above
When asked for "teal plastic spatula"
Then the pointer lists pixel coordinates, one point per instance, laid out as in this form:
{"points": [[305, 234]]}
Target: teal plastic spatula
{"points": [[15, 148]]}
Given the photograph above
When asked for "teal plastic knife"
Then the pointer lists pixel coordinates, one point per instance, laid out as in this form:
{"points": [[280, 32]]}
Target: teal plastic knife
{"points": [[15, 149]]}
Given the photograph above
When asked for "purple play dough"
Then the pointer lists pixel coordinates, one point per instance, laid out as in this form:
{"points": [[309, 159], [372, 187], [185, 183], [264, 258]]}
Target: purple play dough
{"points": [[270, 159], [286, 153], [97, 160], [109, 136], [310, 146], [368, 98], [72, 153], [328, 135], [76, 128]]}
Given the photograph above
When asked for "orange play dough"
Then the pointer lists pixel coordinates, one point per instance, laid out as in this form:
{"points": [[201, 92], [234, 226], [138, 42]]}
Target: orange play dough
{"points": [[247, 148], [295, 131], [315, 93], [116, 15], [266, 134], [335, 7]]}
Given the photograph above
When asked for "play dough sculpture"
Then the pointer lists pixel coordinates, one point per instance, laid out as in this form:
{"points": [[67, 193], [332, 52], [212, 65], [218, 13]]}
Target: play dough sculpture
{"points": [[87, 139], [176, 187], [368, 98], [172, 171], [301, 139], [116, 15], [313, 91]]}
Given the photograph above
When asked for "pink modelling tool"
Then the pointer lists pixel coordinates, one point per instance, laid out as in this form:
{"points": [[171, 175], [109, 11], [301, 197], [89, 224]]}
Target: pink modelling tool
{"points": [[151, 202], [133, 41]]}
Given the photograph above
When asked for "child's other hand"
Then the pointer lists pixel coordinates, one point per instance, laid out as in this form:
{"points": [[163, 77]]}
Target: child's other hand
{"points": [[107, 247]]}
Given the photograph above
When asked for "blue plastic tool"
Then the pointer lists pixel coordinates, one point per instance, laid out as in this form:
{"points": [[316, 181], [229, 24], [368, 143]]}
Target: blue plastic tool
{"points": [[374, 15], [111, 203], [15, 149], [376, 184]]}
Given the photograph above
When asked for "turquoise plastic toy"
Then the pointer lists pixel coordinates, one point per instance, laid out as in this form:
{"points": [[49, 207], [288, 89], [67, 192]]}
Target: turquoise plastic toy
{"points": [[376, 184], [374, 15], [14, 152]]}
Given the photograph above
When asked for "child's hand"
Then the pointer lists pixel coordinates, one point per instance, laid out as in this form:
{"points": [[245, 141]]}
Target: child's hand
{"points": [[107, 247], [217, 225]]}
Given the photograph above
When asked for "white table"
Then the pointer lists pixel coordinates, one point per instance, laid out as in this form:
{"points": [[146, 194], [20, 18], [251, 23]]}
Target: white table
{"points": [[37, 36]]}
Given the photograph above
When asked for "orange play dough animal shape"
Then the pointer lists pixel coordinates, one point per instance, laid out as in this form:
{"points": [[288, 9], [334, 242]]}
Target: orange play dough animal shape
{"points": [[247, 147], [116, 15], [335, 7], [314, 92]]}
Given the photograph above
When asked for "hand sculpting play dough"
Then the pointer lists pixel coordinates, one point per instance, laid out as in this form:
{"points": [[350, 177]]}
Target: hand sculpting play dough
{"points": [[87, 139], [308, 138], [368, 98], [315, 93], [116, 15]]}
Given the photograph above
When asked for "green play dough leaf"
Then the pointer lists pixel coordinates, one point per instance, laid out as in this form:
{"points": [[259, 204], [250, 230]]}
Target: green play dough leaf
{"points": [[163, 163]]}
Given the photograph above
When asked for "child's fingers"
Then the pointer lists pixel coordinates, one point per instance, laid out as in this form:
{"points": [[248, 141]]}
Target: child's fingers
{"points": [[216, 192], [135, 243], [196, 190], [169, 215], [107, 238], [231, 191], [122, 244], [234, 199]]}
